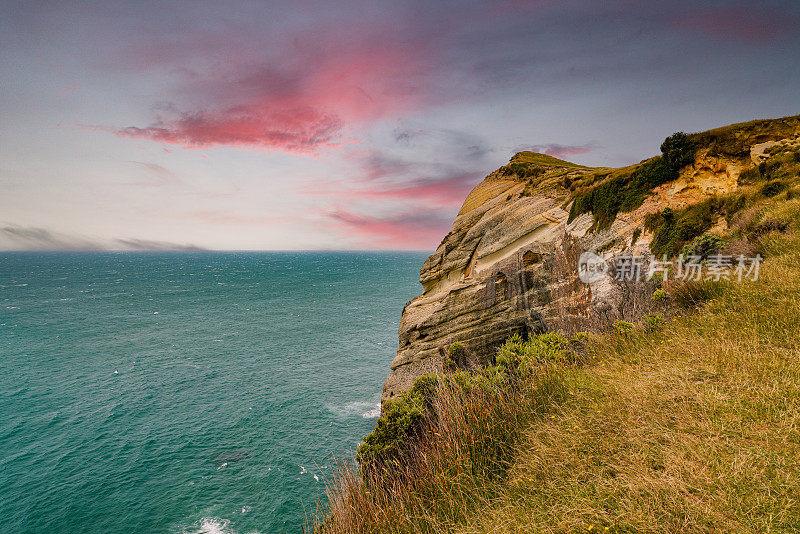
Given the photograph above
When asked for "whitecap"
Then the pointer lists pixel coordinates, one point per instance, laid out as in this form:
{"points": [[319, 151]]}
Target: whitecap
{"points": [[211, 525], [303, 470], [225, 464], [373, 413], [367, 410]]}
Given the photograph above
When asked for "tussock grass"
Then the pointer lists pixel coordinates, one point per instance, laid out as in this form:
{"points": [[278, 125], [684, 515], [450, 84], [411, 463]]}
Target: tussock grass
{"points": [[693, 426], [471, 433], [543, 159]]}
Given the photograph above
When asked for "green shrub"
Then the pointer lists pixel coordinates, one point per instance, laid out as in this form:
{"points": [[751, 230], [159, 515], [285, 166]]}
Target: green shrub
{"points": [[671, 231], [635, 236], [654, 321], [678, 150], [622, 193], [403, 419], [659, 295], [773, 188], [623, 328], [456, 357], [704, 246], [518, 358]]}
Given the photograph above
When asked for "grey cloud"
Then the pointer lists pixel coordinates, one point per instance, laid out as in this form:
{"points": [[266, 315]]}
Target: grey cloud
{"points": [[146, 244], [13, 237], [31, 238]]}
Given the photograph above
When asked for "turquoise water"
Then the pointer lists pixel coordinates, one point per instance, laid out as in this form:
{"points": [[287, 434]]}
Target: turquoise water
{"points": [[187, 392]]}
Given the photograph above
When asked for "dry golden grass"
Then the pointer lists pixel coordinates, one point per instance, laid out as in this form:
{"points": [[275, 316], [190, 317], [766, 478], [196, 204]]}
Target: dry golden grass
{"points": [[692, 428], [486, 191]]}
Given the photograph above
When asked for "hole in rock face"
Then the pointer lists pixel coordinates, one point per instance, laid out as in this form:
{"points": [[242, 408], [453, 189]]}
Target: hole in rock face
{"points": [[531, 258], [501, 287]]}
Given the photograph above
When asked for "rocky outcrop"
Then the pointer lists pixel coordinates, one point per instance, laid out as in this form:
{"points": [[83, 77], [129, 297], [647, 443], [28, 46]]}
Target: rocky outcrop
{"points": [[509, 263]]}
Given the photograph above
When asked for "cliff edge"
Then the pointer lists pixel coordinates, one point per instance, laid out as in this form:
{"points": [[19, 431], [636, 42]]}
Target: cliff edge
{"points": [[509, 263]]}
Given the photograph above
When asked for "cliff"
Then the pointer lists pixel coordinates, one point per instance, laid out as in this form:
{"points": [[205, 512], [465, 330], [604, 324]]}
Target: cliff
{"points": [[509, 263]]}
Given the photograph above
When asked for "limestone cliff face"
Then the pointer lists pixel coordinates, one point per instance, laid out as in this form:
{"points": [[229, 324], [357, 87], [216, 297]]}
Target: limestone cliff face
{"points": [[509, 263]]}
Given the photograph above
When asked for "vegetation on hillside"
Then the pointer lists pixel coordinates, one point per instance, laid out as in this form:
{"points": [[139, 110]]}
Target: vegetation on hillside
{"points": [[760, 186], [685, 422], [626, 192], [535, 158], [736, 139], [607, 192]]}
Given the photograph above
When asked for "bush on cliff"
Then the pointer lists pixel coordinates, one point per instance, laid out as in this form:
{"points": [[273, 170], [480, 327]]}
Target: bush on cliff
{"points": [[404, 418], [672, 230], [704, 246], [451, 434], [622, 193], [627, 192], [678, 150], [399, 423]]}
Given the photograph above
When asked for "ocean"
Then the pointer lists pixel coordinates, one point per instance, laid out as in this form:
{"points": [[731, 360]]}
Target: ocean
{"points": [[198, 392]]}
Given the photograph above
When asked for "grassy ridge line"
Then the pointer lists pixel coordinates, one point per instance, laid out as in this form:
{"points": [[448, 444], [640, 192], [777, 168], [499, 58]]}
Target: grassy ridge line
{"points": [[693, 428]]}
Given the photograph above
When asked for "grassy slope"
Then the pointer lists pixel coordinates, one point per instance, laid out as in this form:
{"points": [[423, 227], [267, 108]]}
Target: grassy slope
{"points": [[543, 159], [692, 429]]}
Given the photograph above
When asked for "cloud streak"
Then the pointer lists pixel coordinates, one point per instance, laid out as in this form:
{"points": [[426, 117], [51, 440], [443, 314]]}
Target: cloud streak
{"points": [[412, 230], [558, 150], [442, 191], [30, 238], [298, 130]]}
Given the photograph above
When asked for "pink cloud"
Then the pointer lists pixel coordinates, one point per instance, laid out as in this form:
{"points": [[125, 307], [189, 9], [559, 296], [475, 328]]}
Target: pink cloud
{"points": [[299, 100], [418, 230], [448, 191], [291, 131]]}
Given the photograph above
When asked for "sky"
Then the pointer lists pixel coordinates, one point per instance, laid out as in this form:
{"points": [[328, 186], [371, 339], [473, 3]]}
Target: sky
{"points": [[347, 125]]}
